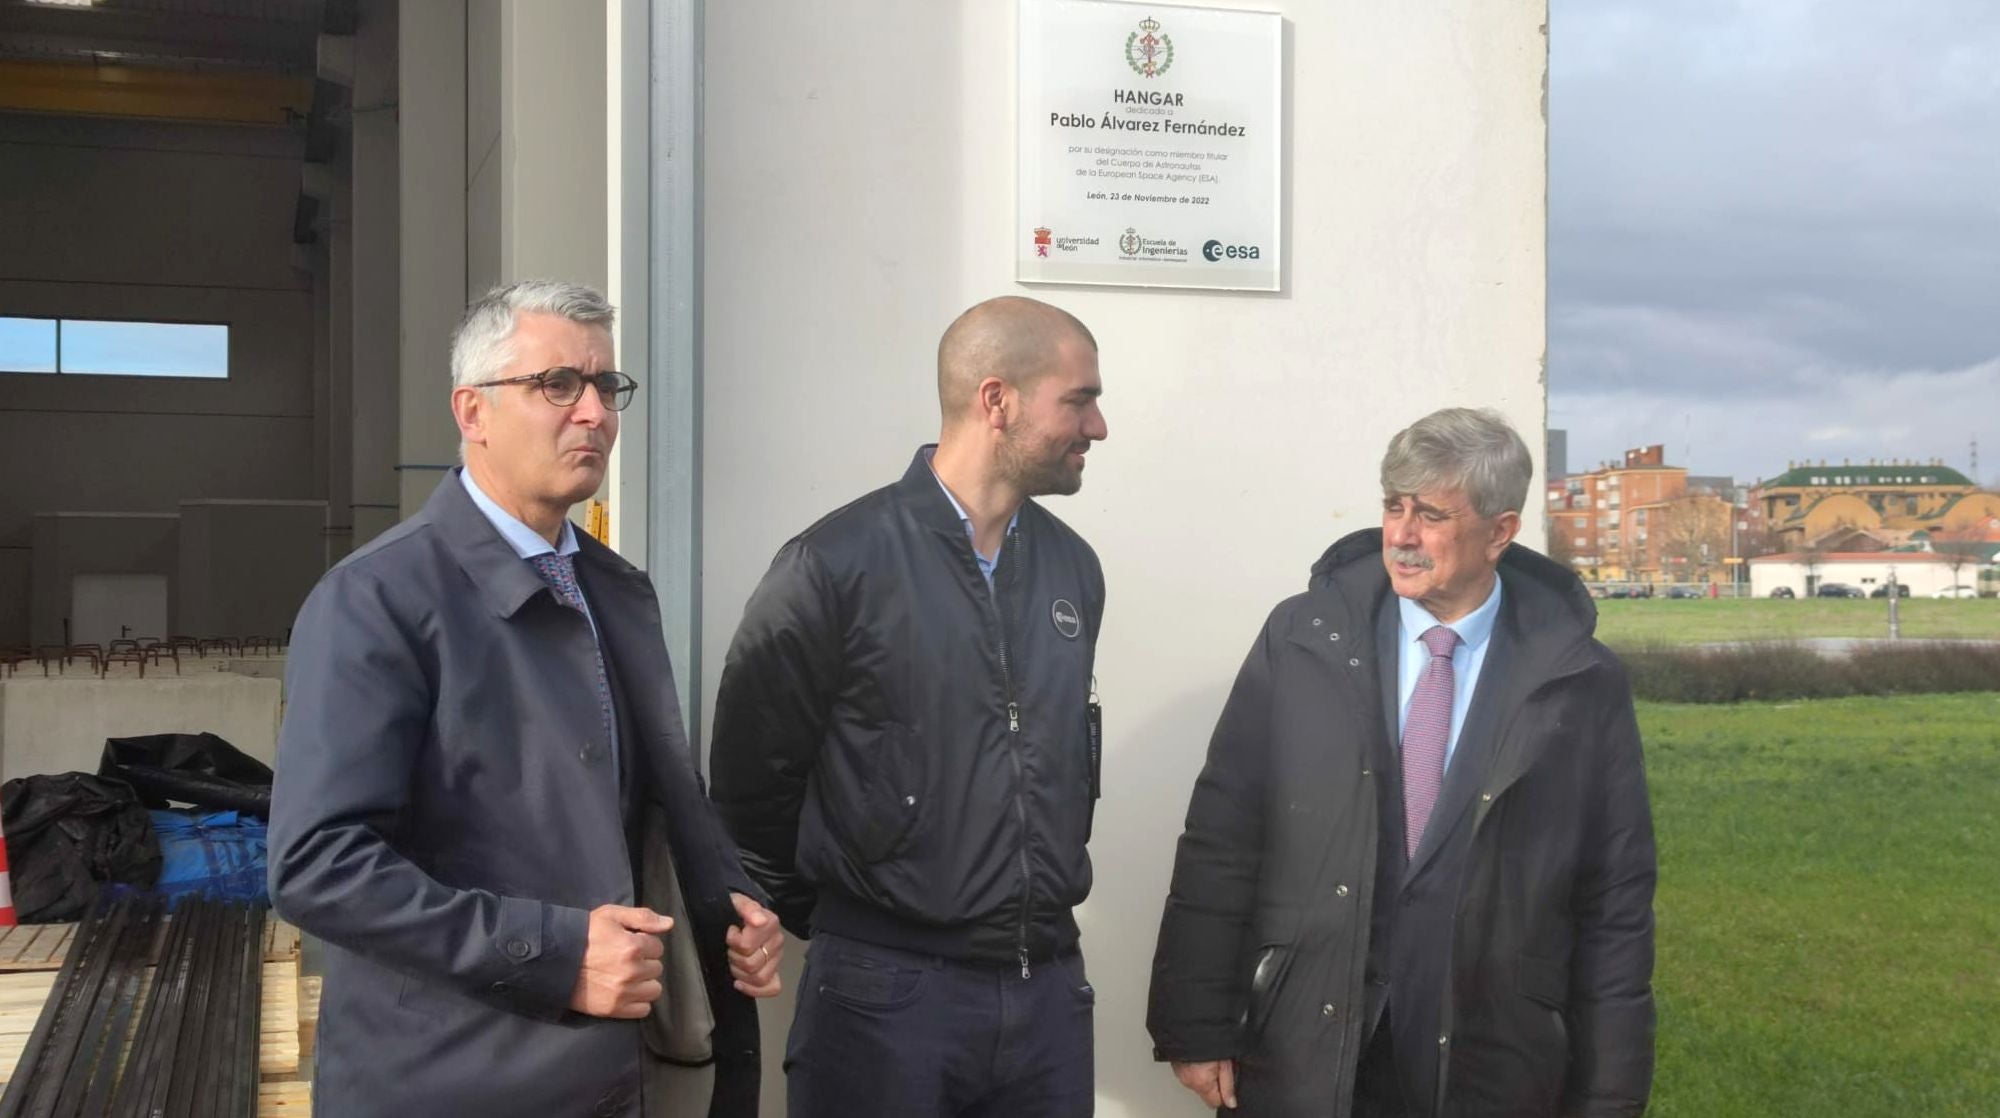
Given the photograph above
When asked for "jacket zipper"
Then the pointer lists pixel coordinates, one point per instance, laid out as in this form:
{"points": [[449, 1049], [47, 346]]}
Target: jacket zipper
{"points": [[1012, 558], [1448, 1019]]}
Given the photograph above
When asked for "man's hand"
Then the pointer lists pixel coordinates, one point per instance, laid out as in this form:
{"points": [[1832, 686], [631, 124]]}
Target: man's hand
{"points": [[621, 962], [1213, 1080], [756, 946]]}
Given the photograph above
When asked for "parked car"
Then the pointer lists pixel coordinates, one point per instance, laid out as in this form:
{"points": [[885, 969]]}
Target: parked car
{"points": [[1629, 592], [1882, 591], [1782, 592], [1838, 590], [1685, 592], [1959, 591]]}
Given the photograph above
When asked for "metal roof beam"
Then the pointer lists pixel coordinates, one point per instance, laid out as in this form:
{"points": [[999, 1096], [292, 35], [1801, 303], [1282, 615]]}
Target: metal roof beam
{"points": [[37, 31], [154, 94]]}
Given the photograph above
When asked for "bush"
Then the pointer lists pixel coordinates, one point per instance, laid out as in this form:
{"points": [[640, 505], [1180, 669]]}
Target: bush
{"points": [[1925, 668], [1789, 671]]}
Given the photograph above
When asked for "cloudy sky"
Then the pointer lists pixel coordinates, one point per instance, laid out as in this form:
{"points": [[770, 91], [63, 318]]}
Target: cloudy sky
{"points": [[1774, 231]]}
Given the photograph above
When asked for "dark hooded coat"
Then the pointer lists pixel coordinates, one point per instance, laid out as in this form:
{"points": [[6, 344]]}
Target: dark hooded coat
{"points": [[1528, 906]]}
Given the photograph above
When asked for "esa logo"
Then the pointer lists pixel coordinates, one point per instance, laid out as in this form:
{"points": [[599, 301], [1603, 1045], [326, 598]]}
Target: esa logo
{"points": [[1064, 617], [1216, 250]]}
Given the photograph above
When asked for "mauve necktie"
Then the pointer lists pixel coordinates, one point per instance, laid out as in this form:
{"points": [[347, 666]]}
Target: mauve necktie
{"points": [[1425, 730], [559, 571]]}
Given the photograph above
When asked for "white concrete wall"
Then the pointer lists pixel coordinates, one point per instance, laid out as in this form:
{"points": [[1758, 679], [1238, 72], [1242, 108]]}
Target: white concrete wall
{"points": [[552, 142], [59, 724], [858, 192], [630, 191], [535, 142]]}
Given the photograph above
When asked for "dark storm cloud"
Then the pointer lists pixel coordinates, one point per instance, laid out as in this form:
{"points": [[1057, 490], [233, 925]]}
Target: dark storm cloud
{"points": [[1774, 229]]}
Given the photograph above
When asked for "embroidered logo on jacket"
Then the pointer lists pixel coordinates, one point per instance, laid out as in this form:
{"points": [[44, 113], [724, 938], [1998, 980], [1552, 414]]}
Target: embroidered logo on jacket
{"points": [[1065, 618]]}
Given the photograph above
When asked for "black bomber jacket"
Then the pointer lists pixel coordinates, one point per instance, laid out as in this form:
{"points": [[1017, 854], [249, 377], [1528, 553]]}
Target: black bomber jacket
{"points": [[903, 754]]}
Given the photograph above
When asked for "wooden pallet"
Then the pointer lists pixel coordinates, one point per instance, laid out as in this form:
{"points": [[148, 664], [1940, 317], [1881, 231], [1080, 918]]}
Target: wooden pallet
{"points": [[309, 990], [33, 947], [284, 1100], [279, 1035]]}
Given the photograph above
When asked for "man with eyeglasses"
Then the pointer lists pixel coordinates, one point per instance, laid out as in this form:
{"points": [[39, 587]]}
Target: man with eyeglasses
{"points": [[485, 803]]}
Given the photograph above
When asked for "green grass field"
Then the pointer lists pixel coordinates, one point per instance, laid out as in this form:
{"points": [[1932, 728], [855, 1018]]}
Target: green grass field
{"points": [[1639, 622], [1829, 906]]}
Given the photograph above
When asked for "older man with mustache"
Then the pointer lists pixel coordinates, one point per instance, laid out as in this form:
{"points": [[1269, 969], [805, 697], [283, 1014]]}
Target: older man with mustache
{"points": [[1417, 875], [485, 803]]}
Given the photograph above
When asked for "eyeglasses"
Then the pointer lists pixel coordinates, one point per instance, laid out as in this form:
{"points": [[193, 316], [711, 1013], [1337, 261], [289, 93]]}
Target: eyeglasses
{"points": [[563, 386]]}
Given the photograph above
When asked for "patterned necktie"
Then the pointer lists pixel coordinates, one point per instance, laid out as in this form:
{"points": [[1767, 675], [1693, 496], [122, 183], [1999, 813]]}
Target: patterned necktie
{"points": [[1425, 730], [559, 571]]}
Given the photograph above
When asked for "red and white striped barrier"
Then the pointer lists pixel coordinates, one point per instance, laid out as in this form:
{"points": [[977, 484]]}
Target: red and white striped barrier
{"points": [[7, 917]]}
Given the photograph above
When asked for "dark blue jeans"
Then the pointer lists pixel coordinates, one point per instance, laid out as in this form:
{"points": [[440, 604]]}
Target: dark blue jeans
{"points": [[882, 1033]]}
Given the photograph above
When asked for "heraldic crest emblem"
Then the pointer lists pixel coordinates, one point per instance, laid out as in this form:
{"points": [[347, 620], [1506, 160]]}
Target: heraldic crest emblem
{"points": [[1147, 50]]}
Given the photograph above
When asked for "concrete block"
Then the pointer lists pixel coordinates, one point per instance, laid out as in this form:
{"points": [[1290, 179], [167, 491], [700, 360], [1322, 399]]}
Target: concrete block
{"points": [[59, 724]]}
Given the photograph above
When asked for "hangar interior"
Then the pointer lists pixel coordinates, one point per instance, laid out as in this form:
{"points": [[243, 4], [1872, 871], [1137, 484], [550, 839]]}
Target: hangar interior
{"points": [[169, 164]]}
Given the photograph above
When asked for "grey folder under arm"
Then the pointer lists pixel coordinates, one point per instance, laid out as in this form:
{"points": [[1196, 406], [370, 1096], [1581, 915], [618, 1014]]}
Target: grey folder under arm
{"points": [[681, 1027]]}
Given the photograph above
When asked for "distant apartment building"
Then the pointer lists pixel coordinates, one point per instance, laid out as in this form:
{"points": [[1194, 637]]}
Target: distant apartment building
{"points": [[1636, 521], [1641, 520]]}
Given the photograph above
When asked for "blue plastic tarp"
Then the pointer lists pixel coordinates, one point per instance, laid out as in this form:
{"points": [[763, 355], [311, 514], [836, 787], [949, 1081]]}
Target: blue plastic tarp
{"points": [[216, 853]]}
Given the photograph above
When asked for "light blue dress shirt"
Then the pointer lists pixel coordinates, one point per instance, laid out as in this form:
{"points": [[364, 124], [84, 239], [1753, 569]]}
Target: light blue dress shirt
{"points": [[986, 566], [528, 543], [1475, 636]]}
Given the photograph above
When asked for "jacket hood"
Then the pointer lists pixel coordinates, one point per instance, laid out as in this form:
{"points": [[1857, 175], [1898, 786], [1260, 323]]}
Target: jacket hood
{"points": [[1551, 592]]}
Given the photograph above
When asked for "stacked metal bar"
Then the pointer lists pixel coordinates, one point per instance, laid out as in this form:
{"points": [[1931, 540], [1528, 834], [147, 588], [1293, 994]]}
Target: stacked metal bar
{"points": [[197, 1047], [195, 1050], [99, 978]]}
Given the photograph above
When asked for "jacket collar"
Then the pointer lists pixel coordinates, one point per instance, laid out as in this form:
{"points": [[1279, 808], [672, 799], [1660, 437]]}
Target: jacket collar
{"points": [[1553, 616], [503, 579], [596, 557], [921, 493]]}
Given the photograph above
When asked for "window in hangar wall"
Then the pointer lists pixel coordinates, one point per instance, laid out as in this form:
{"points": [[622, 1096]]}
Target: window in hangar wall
{"points": [[102, 347]]}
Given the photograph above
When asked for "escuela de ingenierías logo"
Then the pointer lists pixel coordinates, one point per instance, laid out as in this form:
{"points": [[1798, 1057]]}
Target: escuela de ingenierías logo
{"points": [[1164, 250], [1148, 50], [1215, 250]]}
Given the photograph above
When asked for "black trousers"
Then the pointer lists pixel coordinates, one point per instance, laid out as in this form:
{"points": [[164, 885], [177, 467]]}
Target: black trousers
{"points": [[883, 1033]]}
